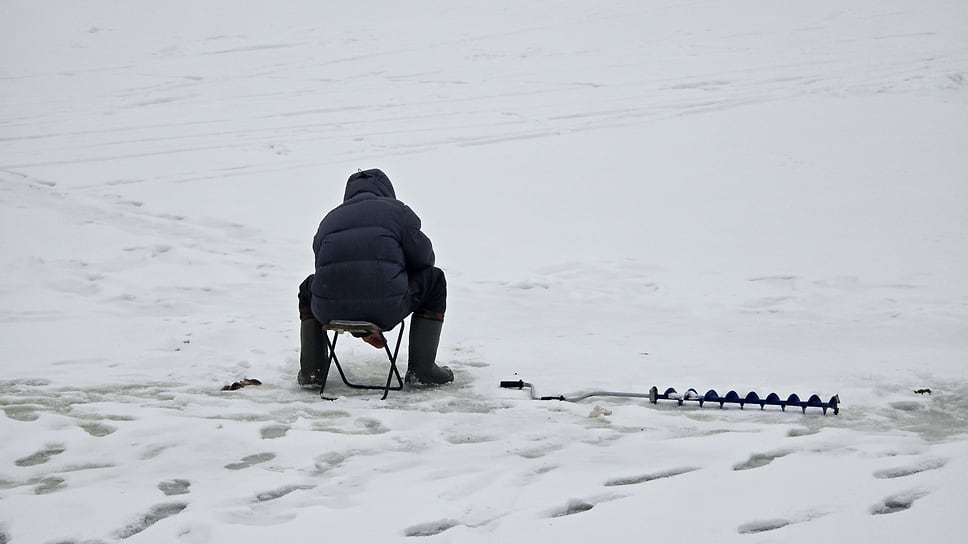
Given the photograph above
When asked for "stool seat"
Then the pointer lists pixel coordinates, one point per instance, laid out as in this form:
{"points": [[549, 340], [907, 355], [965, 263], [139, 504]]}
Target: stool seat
{"points": [[359, 327], [362, 328]]}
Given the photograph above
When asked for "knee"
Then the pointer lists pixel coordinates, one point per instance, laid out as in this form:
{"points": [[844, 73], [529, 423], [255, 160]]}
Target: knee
{"points": [[305, 298], [440, 281]]}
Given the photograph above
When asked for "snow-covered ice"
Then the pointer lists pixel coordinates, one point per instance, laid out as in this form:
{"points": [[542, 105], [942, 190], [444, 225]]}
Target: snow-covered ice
{"points": [[752, 196]]}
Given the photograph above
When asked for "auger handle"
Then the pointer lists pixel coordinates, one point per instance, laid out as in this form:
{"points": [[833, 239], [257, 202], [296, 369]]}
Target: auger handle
{"points": [[508, 384]]}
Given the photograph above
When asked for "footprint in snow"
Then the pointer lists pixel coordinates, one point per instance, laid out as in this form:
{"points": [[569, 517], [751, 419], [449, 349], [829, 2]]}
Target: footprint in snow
{"points": [[360, 426], [574, 506], [174, 487], [431, 528], [901, 472], [649, 477], [760, 460], [251, 460], [802, 431], [21, 412], [533, 474], [49, 485], [897, 503], [153, 451], [764, 525], [577, 506], [538, 452], [274, 494], [368, 425], [333, 459], [97, 429], [152, 516], [274, 431], [40, 457]]}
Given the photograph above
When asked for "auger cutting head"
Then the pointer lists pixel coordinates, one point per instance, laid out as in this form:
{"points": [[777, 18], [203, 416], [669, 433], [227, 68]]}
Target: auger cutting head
{"points": [[751, 398]]}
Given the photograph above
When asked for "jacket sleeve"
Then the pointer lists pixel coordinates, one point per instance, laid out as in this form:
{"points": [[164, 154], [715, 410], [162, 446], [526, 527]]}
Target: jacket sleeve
{"points": [[418, 252]]}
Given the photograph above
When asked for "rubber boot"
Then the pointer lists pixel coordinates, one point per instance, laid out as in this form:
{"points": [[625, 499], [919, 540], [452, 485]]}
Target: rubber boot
{"points": [[421, 364], [313, 353]]}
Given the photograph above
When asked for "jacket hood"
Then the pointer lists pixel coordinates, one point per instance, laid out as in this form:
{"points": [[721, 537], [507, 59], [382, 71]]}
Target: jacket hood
{"points": [[369, 181]]}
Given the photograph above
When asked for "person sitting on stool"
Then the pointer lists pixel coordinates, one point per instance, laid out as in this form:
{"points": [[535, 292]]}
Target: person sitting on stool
{"points": [[373, 263]]}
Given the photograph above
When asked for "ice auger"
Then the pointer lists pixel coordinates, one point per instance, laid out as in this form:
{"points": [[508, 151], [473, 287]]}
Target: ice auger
{"points": [[691, 395]]}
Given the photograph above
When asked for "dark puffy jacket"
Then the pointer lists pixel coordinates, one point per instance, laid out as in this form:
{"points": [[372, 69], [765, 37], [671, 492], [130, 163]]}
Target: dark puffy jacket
{"points": [[365, 249]]}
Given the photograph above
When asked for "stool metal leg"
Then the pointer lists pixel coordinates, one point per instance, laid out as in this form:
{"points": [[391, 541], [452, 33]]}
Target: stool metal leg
{"points": [[331, 356], [391, 356], [393, 362]]}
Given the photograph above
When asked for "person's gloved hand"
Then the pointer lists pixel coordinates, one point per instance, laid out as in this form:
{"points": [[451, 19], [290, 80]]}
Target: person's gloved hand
{"points": [[375, 339]]}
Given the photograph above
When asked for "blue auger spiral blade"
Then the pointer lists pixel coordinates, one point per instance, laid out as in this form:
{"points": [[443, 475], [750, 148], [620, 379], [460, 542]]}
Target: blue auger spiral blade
{"points": [[751, 398], [691, 394], [732, 397]]}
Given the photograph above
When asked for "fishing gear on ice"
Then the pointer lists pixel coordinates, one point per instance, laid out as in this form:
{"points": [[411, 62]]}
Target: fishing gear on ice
{"points": [[691, 395]]}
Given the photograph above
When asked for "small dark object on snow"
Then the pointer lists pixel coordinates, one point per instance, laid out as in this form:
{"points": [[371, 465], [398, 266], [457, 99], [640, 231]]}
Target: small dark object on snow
{"points": [[924, 391], [241, 384]]}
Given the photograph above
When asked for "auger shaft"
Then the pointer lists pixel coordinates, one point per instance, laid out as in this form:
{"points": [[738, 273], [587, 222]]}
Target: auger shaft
{"points": [[534, 396]]}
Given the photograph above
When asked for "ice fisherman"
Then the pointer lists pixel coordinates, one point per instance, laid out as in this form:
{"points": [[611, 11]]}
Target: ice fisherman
{"points": [[373, 263]]}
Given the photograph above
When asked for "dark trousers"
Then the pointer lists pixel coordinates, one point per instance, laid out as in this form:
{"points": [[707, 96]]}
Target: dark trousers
{"points": [[427, 294], [305, 298]]}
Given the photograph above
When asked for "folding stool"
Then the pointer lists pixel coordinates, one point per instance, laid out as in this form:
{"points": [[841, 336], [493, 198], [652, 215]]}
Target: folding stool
{"points": [[361, 328]]}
